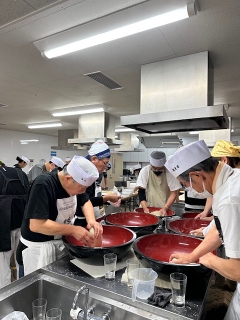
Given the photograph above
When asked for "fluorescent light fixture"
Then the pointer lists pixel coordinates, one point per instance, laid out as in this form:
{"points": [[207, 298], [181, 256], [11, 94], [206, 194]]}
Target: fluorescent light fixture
{"points": [[71, 113], [47, 125], [32, 140], [194, 132], [119, 33], [124, 130]]}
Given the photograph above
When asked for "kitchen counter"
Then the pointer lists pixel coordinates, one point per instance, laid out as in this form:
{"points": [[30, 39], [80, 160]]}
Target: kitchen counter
{"points": [[196, 290]]}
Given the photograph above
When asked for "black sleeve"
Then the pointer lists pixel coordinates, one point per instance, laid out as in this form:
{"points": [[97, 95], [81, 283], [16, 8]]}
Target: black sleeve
{"points": [[142, 194], [96, 201]]}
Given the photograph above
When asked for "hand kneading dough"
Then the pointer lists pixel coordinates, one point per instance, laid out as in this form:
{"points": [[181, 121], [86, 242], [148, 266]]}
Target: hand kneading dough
{"points": [[97, 242]]}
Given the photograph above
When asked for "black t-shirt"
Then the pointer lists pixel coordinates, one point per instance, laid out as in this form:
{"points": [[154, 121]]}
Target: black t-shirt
{"points": [[15, 188], [192, 203], [47, 200], [96, 201]]}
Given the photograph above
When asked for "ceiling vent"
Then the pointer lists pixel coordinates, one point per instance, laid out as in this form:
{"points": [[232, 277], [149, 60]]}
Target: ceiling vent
{"points": [[104, 80]]}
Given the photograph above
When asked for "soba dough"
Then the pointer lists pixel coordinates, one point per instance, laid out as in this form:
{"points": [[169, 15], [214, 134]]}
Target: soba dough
{"points": [[157, 213], [97, 242]]}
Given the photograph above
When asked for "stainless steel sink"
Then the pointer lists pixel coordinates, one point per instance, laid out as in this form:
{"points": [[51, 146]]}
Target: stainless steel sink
{"points": [[60, 292]]}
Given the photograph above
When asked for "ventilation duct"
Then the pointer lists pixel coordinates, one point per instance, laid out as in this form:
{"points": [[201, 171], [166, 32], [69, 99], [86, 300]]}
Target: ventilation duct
{"points": [[177, 96]]}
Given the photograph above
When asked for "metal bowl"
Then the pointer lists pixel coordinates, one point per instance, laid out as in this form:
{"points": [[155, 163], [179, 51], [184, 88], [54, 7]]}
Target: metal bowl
{"points": [[170, 213], [192, 214], [114, 240], [141, 223], [184, 226], [154, 251]]}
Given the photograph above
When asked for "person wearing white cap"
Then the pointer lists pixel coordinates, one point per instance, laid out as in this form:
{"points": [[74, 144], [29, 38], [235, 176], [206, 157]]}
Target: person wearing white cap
{"points": [[99, 154], [156, 186], [22, 162], [41, 168], [194, 167], [50, 212], [136, 169], [67, 160]]}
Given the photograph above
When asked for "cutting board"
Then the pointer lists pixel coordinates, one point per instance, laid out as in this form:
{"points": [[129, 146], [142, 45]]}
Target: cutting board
{"points": [[94, 265]]}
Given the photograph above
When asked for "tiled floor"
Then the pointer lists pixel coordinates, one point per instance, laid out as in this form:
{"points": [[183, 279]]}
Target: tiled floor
{"points": [[218, 298]]}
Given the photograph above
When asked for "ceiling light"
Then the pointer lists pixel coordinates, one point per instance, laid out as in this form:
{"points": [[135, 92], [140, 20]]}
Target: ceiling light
{"points": [[124, 130], [71, 113], [26, 141], [194, 132], [48, 125], [114, 34]]}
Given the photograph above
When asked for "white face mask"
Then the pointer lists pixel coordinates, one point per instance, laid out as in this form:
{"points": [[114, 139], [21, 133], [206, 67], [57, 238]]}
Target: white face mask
{"points": [[192, 193]]}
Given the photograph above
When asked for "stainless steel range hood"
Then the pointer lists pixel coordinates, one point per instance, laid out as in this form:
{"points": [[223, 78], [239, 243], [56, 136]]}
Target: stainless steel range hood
{"points": [[94, 126], [177, 96], [63, 136], [195, 119], [131, 143], [157, 141]]}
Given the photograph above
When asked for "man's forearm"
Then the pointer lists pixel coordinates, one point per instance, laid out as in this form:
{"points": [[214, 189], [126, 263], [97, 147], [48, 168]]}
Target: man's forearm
{"points": [[171, 199], [210, 243], [88, 211]]}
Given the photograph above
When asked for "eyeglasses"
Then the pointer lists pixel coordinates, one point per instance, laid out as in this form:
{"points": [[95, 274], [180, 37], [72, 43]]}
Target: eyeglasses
{"points": [[183, 186], [105, 163]]}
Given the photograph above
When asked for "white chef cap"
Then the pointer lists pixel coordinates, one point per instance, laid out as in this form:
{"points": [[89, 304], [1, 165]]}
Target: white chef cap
{"points": [[186, 157], [157, 158], [67, 159], [25, 159], [83, 171], [99, 149], [57, 161], [137, 167]]}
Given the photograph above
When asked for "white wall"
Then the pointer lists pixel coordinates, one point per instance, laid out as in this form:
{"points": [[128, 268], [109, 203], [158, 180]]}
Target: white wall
{"points": [[10, 147]]}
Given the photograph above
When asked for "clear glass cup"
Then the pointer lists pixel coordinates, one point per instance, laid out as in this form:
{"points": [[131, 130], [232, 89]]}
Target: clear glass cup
{"points": [[132, 264], [39, 309], [178, 286], [54, 314], [110, 263]]}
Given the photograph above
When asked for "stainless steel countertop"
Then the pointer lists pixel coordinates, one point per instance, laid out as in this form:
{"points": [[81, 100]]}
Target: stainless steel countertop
{"points": [[195, 296]]}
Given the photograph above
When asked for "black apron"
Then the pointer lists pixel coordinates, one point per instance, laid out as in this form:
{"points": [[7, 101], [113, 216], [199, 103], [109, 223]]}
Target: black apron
{"points": [[219, 229], [6, 209]]}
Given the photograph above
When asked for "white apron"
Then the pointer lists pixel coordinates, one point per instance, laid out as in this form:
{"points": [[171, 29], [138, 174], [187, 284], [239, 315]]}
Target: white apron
{"points": [[99, 211], [233, 312], [39, 254], [157, 191]]}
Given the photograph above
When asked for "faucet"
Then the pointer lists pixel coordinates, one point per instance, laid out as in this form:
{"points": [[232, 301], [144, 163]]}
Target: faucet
{"points": [[85, 313], [85, 308]]}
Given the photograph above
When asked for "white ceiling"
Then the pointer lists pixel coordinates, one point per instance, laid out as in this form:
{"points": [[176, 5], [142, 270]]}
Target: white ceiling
{"points": [[34, 87]]}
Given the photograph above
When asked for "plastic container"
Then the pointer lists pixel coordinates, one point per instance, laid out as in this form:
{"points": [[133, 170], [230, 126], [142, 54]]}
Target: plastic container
{"points": [[143, 283]]}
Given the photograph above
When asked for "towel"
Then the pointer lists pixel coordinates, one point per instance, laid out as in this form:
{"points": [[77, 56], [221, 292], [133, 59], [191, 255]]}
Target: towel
{"points": [[160, 297]]}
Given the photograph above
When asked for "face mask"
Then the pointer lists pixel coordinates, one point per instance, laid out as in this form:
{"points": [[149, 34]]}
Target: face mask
{"points": [[157, 173], [192, 193]]}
